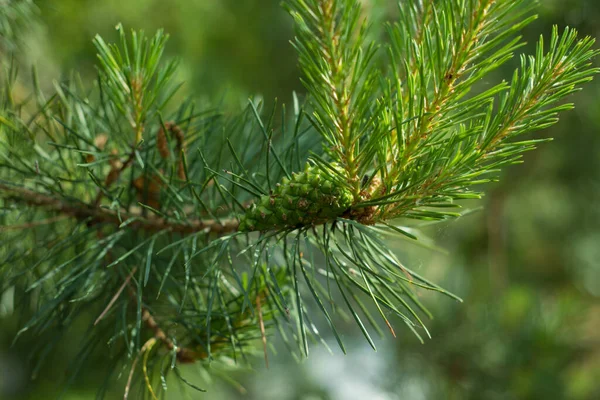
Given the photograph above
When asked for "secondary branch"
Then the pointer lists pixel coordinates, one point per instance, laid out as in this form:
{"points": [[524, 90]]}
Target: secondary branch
{"points": [[98, 214]]}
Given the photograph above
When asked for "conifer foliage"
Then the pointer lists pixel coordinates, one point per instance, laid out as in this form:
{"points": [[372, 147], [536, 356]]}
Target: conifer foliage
{"points": [[195, 236]]}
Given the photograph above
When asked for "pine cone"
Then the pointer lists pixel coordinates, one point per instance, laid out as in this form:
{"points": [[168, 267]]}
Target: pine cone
{"points": [[309, 198]]}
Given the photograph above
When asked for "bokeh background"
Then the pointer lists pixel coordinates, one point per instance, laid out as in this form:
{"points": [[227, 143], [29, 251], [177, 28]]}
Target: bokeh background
{"points": [[527, 265]]}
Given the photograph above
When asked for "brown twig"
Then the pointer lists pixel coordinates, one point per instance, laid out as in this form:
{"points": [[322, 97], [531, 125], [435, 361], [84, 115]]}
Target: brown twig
{"points": [[144, 350], [115, 297], [263, 334], [33, 224], [130, 377], [80, 210], [184, 355]]}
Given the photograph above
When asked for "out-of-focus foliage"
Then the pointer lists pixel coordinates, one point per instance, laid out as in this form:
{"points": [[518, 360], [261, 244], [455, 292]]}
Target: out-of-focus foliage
{"points": [[233, 47], [527, 265], [15, 20]]}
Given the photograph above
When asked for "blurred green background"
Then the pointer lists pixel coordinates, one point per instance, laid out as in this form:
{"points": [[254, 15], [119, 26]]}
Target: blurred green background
{"points": [[527, 265]]}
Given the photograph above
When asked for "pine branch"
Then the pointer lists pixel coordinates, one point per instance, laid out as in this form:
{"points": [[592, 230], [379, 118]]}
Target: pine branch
{"points": [[99, 215], [112, 188], [136, 82], [530, 104], [464, 41], [338, 75]]}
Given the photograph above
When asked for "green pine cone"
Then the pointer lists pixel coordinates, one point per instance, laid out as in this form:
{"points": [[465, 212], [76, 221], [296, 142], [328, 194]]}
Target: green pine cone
{"points": [[309, 198]]}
